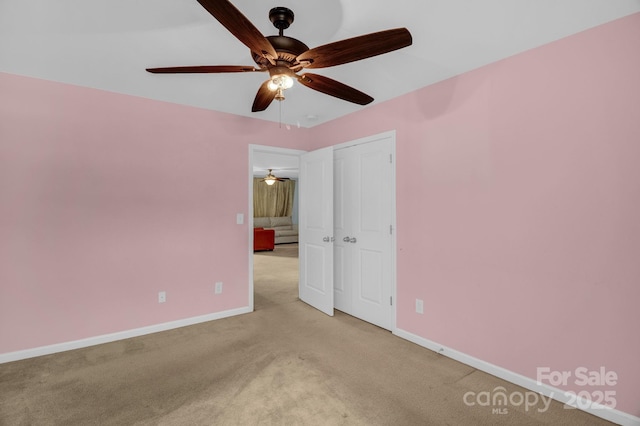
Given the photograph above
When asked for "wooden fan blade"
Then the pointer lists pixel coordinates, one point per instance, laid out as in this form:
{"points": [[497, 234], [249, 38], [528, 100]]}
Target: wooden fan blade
{"points": [[203, 69], [264, 97], [238, 25], [355, 49], [332, 87]]}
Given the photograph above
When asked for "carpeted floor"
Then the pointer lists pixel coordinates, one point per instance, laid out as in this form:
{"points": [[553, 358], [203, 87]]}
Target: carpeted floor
{"points": [[284, 364], [281, 250]]}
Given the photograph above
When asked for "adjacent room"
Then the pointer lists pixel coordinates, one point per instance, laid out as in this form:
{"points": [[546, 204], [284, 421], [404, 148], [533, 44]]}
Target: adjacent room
{"points": [[491, 148]]}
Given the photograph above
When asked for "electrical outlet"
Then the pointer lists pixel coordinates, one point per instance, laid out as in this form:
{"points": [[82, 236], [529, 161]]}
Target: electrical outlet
{"points": [[219, 287], [162, 297], [419, 306]]}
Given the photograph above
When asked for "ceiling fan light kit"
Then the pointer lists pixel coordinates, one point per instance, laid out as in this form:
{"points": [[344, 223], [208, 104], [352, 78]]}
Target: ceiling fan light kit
{"points": [[270, 178], [283, 57], [279, 83]]}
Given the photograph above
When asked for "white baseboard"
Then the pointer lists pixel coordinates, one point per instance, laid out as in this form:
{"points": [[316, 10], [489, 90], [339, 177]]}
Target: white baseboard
{"points": [[106, 338], [612, 415]]}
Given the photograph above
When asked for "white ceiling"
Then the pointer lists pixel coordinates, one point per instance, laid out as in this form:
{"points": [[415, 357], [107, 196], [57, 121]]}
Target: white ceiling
{"points": [[107, 44], [283, 165]]}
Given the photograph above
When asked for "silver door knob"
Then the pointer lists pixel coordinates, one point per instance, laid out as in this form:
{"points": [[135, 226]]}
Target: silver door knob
{"points": [[352, 240], [326, 239], [345, 239]]}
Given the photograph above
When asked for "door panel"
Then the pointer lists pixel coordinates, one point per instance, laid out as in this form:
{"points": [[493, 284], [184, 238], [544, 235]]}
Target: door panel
{"points": [[368, 205], [371, 200], [316, 229], [371, 272], [315, 271]]}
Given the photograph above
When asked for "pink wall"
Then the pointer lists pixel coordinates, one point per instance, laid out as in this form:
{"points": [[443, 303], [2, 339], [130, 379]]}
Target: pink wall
{"points": [[107, 199], [518, 206], [518, 197]]}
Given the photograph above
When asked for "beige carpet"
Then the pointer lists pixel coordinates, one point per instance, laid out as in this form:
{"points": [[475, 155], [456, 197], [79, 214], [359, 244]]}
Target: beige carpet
{"points": [[284, 364], [281, 250]]}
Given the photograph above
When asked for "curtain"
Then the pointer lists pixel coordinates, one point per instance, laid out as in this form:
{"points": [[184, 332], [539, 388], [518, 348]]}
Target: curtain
{"points": [[273, 200]]}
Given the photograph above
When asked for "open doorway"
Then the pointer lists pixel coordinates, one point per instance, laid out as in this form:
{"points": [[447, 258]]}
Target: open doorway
{"points": [[282, 261]]}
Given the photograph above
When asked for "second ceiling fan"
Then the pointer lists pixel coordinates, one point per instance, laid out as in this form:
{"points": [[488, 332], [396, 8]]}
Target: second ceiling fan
{"points": [[270, 178], [283, 57]]}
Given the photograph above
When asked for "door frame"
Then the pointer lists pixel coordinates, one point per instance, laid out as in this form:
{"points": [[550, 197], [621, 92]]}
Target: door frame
{"points": [[253, 149]]}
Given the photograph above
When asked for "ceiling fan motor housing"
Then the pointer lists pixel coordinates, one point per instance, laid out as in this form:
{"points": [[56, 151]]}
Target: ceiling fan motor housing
{"points": [[288, 49]]}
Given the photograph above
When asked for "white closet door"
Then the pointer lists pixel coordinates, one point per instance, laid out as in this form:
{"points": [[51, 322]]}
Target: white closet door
{"points": [[316, 229], [371, 221], [363, 219]]}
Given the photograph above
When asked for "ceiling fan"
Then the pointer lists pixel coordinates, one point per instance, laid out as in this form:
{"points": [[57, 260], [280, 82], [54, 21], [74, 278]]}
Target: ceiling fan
{"points": [[283, 57], [270, 178]]}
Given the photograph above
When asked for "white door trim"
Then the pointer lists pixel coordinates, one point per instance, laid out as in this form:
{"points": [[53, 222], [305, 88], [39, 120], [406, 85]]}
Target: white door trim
{"points": [[372, 138]]}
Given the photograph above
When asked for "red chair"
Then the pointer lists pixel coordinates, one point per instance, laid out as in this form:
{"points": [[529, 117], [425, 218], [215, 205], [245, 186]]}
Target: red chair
{"points": [[263, 239]]}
